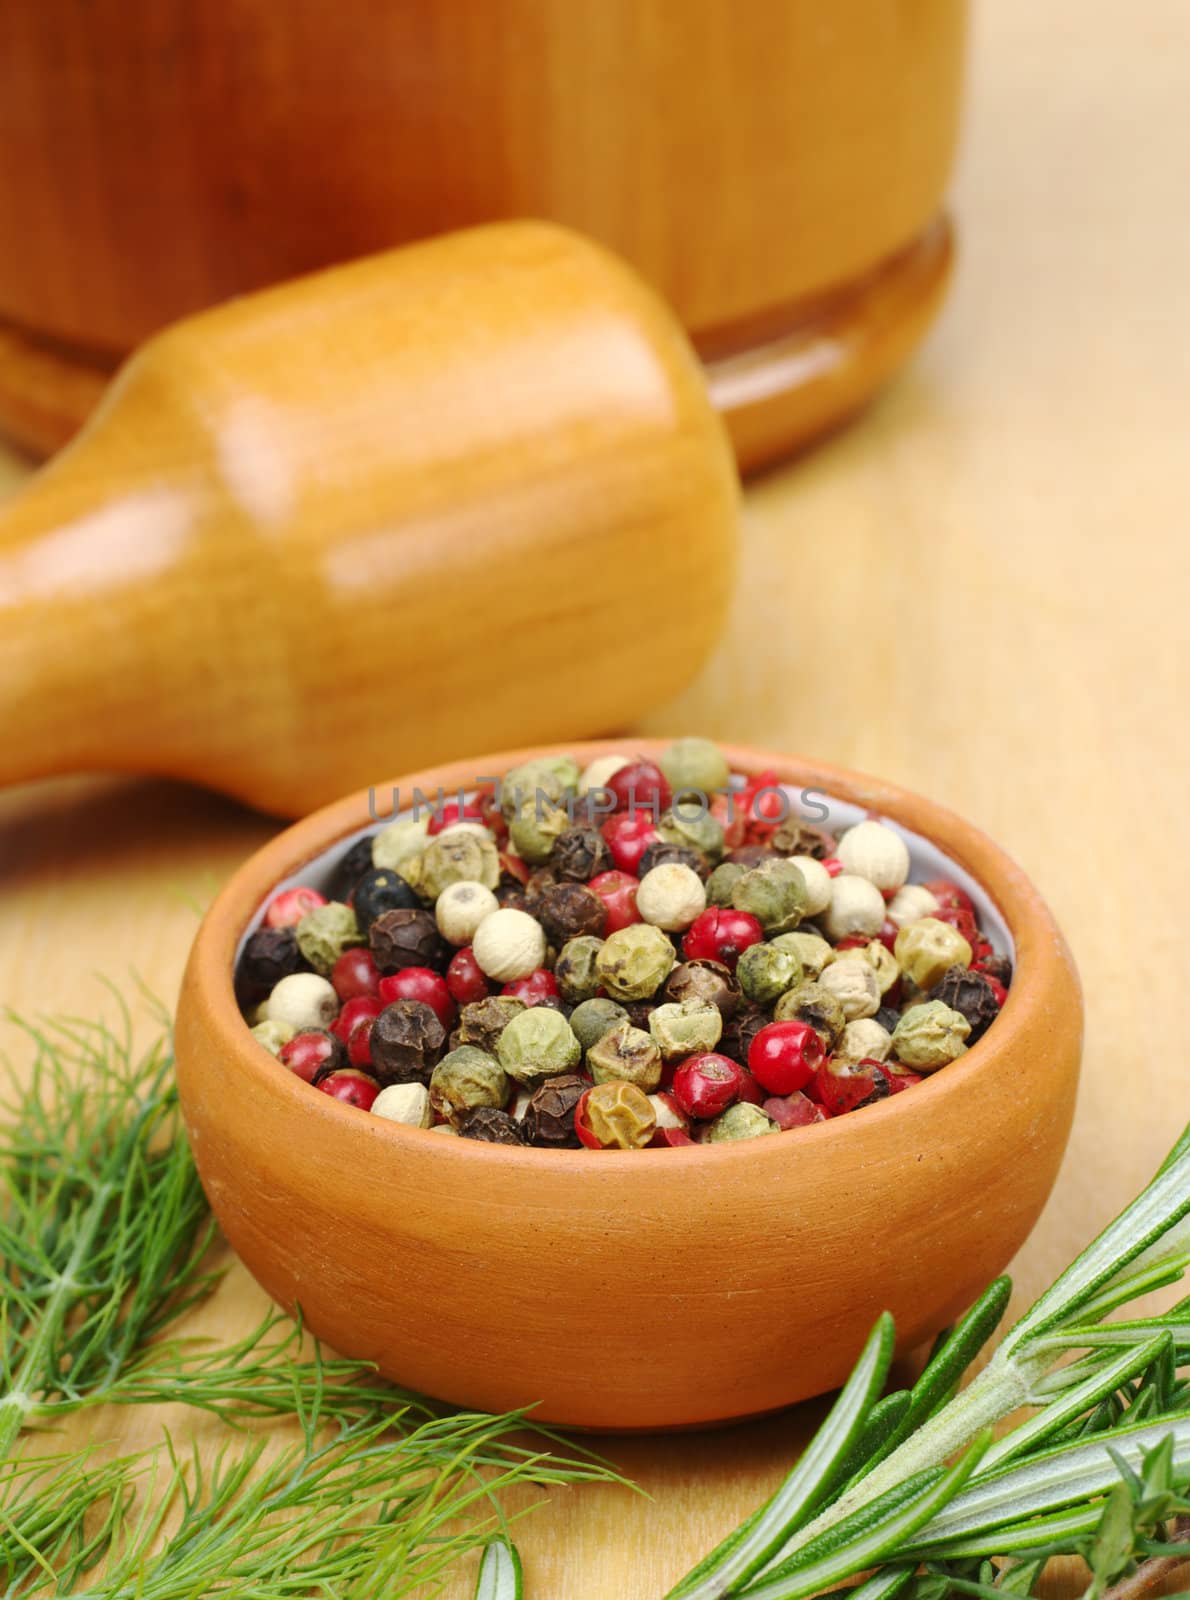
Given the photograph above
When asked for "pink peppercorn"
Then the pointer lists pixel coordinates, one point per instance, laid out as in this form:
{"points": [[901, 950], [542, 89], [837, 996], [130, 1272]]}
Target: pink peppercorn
{"points": [[288, 908], [465, 978], [420, 983], [533, 988], [352, 1087], [617, 890], [721, 933], [354, 974], [628, 836], [785, 1056], [704, 1085]]}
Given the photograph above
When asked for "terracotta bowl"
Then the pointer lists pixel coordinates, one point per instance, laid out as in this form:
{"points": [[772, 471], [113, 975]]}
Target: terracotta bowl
{"points": [[658, 1289]]}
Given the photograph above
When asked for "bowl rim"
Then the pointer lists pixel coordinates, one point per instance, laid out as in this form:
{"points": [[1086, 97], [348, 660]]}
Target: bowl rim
{"points": [[1041, 957]]}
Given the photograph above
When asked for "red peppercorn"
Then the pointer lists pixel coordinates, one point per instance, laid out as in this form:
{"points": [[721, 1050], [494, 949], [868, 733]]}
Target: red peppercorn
{"points": [[764, 806], [511, 866], [628, 836], [359, 1045], [490, 814], [353, 1013], [465, 978], [997, 988], [352, 1087], [669, 1138], [842, 1086], [750, 1091], [981, 951], [731, 819], [888, 935], [833, 865], [722, 934], [354, 974], [959, 918], [795, 1110], [617, 890], [451, 811], [288, 908], [534, 988], [949, 895], [704, 1085], [670, 1116], [420, 983], [581, 1126], [785, 1056], [306, 1053], [897, 1076], [641, 788]]}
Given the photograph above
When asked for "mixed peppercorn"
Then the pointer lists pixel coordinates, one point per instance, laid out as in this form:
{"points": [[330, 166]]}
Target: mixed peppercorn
{"points": [[633, 955]]}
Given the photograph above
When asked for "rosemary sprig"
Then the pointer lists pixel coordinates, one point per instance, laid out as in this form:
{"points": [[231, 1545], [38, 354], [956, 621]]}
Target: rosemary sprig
{"points": [[1099, 1469], [106, 1243]]}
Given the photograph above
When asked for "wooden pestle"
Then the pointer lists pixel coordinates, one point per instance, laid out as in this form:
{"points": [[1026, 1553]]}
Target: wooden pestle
{"points": [[463, 495]]}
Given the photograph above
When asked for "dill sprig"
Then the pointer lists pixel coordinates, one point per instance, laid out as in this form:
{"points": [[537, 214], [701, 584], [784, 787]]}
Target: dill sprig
{"points": [[106, 1242]]}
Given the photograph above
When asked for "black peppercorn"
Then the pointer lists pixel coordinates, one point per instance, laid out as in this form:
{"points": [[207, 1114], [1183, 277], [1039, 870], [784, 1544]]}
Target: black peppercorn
{"points": [[483, 1021], [580, 854], [740, 1030], [887, 1017], [998, 967], [350, 868], [490, 1125], [569, 910], [970, 994], [750, 855], [661, 853], [797, 838], [541, 881], [379, 891], [511, 897], [704, 980], [549, 1116], [269, 955], [407, 939], [639, 1012], [406, 1041]]}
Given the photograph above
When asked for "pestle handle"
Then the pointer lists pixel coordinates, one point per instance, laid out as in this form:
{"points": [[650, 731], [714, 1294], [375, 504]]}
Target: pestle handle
{"points": [[461, 495]]}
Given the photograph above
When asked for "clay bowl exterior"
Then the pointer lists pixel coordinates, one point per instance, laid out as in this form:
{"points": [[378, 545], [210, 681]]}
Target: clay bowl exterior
{"points": [[658, 1289]]}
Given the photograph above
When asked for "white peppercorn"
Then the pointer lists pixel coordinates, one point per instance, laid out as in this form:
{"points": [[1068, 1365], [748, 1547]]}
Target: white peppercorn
{"points": [[879, 957], [460, 909], [925, 949], [864, 1040], [509, 944], [598, 773], [854, 986], [877, 852], [400, 841], [818, 884], [273, 1035], [303, 1000], [670, 897], [857, 907], [911, 901], [404, 1102]]}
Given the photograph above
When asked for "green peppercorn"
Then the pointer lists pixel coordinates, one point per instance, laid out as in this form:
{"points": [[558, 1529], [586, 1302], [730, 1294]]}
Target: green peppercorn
{"points": [[741, 1121], [398, 842], [324, 933], [626, 1055], [721, 883], [927, 948], [483, 1021], [812, 950], [811, 1003], [458, 856], [553, 777], [774, 893], [764, 973], [635, 961], [695, 764], [685, 1027], [466, 1078], [576, 970], [688, 823], [620, 1116], [591, 1019], [793, 837], [273, 1035], [536, 828], [930, 1035], [539, 1043]]}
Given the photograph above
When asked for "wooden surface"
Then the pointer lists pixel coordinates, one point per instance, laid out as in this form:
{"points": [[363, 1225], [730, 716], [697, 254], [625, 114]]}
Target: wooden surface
{"points": [[979, 592]]}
